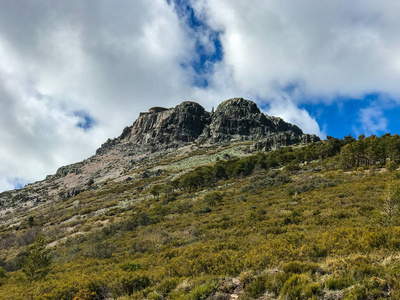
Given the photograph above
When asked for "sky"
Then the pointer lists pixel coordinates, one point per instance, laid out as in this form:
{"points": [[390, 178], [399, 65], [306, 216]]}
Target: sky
{"points": [[75, 73]]}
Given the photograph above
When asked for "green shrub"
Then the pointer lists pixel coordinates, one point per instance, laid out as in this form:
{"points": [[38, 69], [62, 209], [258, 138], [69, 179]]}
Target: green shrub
{"points": [[167, 285], [202, 291], [240, 198], [143, 219], [391, 166], [100, 250], [274, 281], [3, 273], [131, 284], [298, 267], [213, 198], [37, 263], [300, 286], [339, 283], [154, 296], [3, 276], [256, 287], [130, 266], [203, 210]]}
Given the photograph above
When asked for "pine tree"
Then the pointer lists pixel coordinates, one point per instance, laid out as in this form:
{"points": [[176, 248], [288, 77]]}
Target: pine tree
{"points": [[390, 205], [37, 263]]}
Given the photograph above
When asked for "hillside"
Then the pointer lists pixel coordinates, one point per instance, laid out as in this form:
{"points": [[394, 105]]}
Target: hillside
{"points": [[189, 204]]}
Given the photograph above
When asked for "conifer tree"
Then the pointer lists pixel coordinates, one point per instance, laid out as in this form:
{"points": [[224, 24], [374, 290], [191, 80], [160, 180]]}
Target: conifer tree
{"points": [[390, 205], [37, 263]]}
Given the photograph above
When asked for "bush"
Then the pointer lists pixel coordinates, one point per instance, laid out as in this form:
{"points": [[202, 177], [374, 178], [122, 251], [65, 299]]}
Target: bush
{"points": [[143, 219], [274, 281], [256, 287], [84, 294], [338, 283], [3, 275], [167, 285], [130, 266], [213, 198], [240, 198], [100, 250], [37, 263], [300, 287], [131, 284], [202, 291], [391, 166], [298, 267], [203, 210]]}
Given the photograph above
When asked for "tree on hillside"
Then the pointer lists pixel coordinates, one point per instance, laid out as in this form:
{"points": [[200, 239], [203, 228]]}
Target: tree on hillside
{"points": [[37, 263], [389, 204], [156, 190], [347, 156]]}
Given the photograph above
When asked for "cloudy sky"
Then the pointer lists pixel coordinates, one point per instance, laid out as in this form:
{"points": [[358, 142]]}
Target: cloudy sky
{"points": [[74, 73]]}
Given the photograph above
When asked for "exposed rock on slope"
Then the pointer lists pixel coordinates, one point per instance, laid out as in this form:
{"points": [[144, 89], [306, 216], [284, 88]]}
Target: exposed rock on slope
{"points": [[235, 119], [159, 132], [238, 119], [162, 129]]}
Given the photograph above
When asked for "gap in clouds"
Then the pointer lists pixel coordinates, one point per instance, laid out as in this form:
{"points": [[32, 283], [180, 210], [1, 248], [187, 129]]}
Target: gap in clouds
{"points": [[85, 122], [12, 183], [208, 46], [375, 113]]}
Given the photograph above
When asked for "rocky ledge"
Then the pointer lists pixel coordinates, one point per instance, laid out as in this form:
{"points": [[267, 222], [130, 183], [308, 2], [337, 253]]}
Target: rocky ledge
{"points": [[235, 119]]}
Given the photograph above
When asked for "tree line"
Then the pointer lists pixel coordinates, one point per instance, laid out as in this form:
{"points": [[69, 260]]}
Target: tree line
{"points": [[333, 153]]}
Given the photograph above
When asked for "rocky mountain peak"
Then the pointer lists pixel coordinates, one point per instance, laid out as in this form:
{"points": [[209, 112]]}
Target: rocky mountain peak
{"points": [[235, 106], [235, 119], [159, 132]]}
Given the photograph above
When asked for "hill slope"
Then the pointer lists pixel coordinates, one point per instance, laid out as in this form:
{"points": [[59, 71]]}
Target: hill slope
{"points": [[199, 219]]}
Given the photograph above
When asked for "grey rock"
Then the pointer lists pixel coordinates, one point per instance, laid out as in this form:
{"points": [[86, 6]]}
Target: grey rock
{"points": [[144, 175], [161, 129], [65, 170], [283, 139], [236, 119], [72, 193]]}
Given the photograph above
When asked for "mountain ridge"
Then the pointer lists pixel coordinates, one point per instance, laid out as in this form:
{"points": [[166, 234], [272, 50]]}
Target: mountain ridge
{"points": [[235, 119], [160, 132]]}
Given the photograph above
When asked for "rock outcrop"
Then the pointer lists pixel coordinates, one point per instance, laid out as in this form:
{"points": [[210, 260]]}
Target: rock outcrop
{"points": [[235, 119], [161, 129], [238, 119]]}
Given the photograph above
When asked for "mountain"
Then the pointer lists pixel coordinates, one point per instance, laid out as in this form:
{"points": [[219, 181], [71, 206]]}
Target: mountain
{"points": [[158, 132], [234, 120], [227, 204]]}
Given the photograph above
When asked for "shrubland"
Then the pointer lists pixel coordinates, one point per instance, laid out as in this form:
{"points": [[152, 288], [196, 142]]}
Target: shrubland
{"points": [[308, 222]]}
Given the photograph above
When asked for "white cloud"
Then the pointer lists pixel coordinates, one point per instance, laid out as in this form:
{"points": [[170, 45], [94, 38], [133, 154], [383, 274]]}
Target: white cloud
{"points": [[108, 61], [113, 61], [347, 48], [372, 120], [285, 108]]}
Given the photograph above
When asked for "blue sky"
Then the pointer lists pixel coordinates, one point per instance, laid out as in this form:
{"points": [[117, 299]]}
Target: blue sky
{"points": [[73, 74], [367, 116]]}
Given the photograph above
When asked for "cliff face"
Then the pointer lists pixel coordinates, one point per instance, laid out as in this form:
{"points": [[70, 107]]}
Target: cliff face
{"points": [[162, 129], [235, 119], [239, 119]]}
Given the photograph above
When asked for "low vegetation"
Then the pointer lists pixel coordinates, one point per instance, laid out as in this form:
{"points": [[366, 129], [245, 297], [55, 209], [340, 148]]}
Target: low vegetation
{"points": [[308, 222]]}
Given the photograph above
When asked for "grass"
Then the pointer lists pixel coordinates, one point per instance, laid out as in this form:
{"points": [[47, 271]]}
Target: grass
{"points": [[297, 234]]}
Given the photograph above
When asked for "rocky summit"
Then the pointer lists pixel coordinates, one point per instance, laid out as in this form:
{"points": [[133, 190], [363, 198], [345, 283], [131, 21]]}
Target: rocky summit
{"points": [[234, 120], [159, 132]]}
